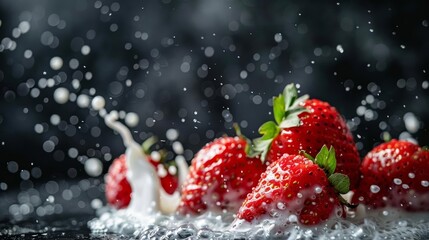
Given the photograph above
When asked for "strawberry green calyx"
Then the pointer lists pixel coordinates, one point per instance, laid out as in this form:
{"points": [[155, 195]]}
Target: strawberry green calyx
{"points": [[148, 143], [326, 160], [286, 108]]}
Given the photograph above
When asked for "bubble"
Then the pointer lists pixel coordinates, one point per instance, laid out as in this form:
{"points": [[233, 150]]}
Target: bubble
{"points": [[172, 134], [132, 119], [243, 74], [38, 128], [12, 167], [85, 50], [55, 119], [48, 146], [425, 183], [24, 26], [98, 103], [61, 95], [339, 48], [257, 99], [374, 188], [93, 167], [83, 101], [411, 175], [209, 52], [28, 54], [178, 147], [278, 37], [412, 124], [56, 63], [96, 203], [185, 67]]}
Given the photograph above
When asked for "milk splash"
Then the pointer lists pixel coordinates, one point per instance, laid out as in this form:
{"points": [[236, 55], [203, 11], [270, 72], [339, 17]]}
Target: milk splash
{"points": [[147, 197]]}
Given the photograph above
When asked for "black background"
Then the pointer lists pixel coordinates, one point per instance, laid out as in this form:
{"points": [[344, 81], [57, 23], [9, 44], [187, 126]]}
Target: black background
{"points": [[382, 43]]}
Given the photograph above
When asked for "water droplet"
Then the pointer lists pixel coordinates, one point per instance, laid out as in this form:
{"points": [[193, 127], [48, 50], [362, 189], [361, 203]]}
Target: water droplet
{"points": [[98, 103], [61, 95], [340, 48], [397, 181], [374, 189], [56, 63], [93, 167]]}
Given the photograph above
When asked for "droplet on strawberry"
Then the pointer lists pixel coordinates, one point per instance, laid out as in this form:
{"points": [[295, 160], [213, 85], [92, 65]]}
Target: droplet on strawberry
{"points": [[220, 177], [298, 189], [303, 124], [394, 174]]}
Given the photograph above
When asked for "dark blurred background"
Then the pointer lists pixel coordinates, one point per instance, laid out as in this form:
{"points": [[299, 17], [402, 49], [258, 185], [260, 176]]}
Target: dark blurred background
{"points": [[198, 66]]}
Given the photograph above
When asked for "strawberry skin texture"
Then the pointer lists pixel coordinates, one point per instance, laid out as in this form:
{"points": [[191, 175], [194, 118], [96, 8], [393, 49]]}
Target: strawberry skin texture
{"points": [[220, 177], [118, 189], [322, 124], [293, 185], [396, 172]]}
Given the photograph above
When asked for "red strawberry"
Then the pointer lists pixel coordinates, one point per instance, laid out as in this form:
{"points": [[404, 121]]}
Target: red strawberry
{"points": [[118, 189], [303, 124], [298, 189], [395, 174], [220, 177]]}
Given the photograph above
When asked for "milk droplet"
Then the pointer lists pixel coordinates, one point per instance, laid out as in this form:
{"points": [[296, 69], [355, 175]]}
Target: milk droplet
{"points": [[156, 156], [98, 103], [374, 189], [178, 147], [93, 167], [83, 101], [172, 170], [172, 134], [132, 119], [161, 171], [61, 95], [56, 63]]}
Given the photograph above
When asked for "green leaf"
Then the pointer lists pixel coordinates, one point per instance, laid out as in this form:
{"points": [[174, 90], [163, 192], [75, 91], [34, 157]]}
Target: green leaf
{"points": [[326, 160], [332, 161], [279, 108], [262, 146], [340, 182], [291, 119], [299, 100], [308, 156], [269, 130], [290, 95]]}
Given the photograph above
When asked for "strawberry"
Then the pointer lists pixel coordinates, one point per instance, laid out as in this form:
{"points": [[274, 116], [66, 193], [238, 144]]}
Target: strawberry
{"points": [[220, 177], [394, 174], [118, 189], [303, 124], [298, 188]]}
